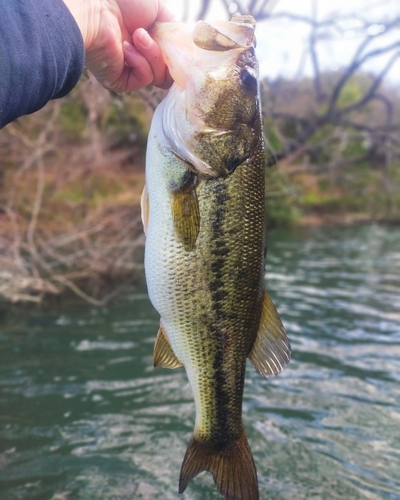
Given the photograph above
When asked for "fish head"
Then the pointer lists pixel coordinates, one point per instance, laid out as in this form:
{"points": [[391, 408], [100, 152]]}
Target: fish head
{"points": [[211, 114]]}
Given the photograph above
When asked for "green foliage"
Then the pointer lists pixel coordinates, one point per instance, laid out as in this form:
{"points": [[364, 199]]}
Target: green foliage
{"points": [[289, 128], [71, 193], [280, 212], [127, 120], [355, 148], [351, 93], [94, 189], [271, 135], [354, 89], [280, 200], [72, 119]]}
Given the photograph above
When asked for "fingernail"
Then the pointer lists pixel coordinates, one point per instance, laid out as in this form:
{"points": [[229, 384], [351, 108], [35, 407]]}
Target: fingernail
{"points": [[144, 38], [128, 46]]}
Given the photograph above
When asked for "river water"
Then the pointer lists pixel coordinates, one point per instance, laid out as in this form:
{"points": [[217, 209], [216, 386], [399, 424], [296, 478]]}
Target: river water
{"points": [[83, 415]]}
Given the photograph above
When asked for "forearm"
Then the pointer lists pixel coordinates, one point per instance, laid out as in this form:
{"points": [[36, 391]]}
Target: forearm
{"points": [[41, 55], [44, 45]]}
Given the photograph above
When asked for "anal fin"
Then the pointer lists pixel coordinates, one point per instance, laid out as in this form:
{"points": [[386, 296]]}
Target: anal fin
{"points": [[163, 355], [271, 350]]}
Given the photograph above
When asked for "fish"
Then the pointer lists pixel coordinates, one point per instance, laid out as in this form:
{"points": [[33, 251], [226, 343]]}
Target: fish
{"points": [[203, 212]]}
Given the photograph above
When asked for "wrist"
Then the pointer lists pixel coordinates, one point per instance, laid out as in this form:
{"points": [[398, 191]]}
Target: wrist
{"points": [[86, 14]]}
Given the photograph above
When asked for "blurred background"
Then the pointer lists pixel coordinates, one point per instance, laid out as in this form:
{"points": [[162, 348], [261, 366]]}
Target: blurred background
{"points": [[83, 414], [72, 174]]}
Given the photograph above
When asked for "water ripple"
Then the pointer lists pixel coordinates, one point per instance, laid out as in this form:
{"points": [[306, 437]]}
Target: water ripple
{"points": [[83, 411]]}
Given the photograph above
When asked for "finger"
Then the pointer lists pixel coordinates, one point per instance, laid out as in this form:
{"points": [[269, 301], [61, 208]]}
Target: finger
{"points": [[152, 52], [138, 72], [164, 14], [166, 84]]}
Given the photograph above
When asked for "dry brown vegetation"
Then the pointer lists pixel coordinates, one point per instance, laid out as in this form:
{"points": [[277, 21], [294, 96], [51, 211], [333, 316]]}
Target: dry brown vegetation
{"points": [[71, 181]]}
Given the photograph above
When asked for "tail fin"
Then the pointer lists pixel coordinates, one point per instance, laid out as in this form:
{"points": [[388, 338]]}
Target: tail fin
{"points": [[233, 468]]}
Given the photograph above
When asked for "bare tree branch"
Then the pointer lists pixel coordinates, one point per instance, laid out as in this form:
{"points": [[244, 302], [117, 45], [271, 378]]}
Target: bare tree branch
{"points": [[205, 4], [371, 93], [352, 68]]}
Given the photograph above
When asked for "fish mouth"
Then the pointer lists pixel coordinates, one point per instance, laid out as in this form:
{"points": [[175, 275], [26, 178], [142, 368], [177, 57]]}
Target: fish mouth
{"points": [[186, 47], [225, 35]]}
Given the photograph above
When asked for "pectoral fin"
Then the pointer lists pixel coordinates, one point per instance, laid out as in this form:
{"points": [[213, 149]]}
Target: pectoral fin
{"points": [[185, 211], [145, 206], [163, 355], [271, 350]]}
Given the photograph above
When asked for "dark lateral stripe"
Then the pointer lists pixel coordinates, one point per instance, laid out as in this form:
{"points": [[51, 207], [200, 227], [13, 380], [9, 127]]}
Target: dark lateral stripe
{"points": [[219, 251]]}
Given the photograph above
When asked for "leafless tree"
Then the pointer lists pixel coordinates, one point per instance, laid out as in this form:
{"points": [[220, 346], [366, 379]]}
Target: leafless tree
{"points": [[378, 39], [311, 121]]}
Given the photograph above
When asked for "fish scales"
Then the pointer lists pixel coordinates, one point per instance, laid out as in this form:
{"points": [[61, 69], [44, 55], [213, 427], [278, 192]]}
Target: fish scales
{"points": [[203, 212]]}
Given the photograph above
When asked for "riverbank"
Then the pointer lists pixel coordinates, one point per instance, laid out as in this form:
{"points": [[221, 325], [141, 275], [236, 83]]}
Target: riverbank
{"points": [[71, 183], [78, 231]]}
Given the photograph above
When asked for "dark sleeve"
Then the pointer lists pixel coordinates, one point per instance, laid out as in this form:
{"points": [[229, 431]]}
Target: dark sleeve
{"points": [[41, 55]]}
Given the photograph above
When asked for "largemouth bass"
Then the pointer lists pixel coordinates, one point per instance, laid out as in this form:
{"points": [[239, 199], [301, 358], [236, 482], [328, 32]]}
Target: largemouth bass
{"points": [[203, 213]]}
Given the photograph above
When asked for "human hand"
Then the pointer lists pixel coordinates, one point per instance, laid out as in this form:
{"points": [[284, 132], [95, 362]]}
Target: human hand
{"points": [[119, 51]]}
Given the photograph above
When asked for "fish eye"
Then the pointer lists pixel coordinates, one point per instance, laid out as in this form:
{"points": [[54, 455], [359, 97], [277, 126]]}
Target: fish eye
{"points": [[248, 80]]}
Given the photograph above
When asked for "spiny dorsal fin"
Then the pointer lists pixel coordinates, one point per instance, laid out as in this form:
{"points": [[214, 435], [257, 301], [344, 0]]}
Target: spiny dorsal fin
{"points": [[271, 350], [232, 468], [145, 206], [163, 354], [185, 211]]}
